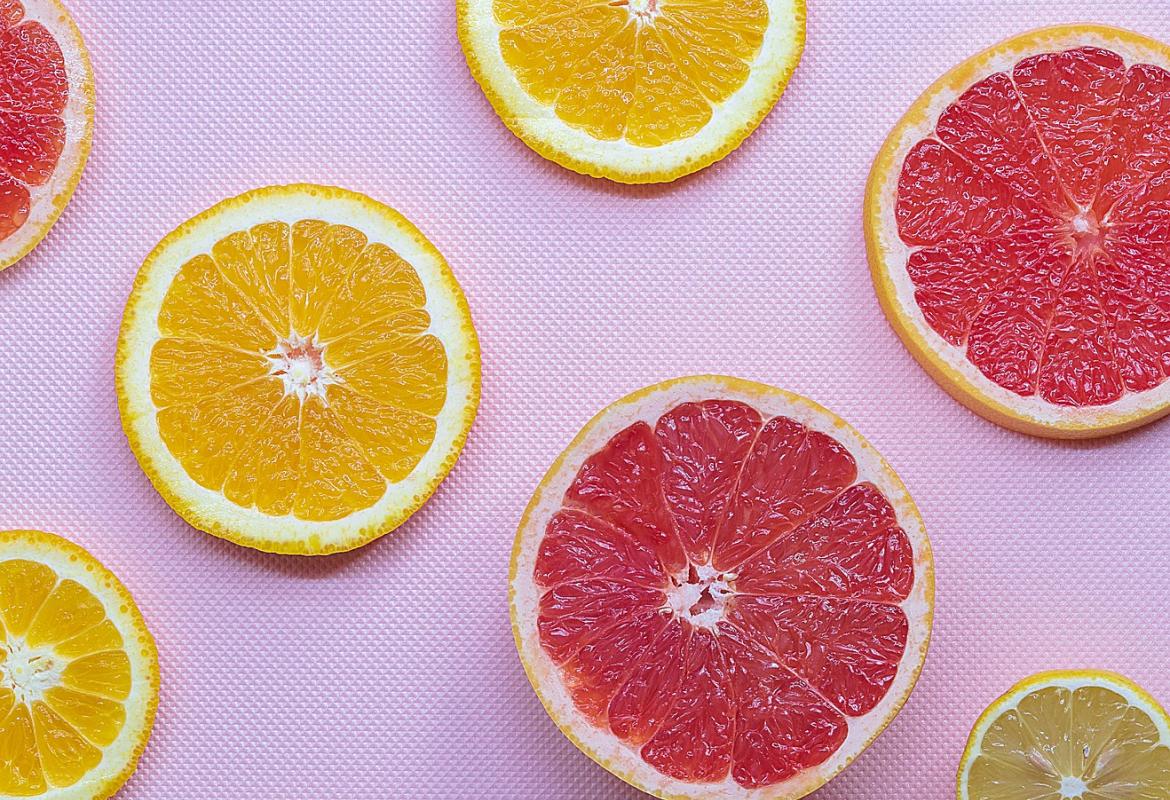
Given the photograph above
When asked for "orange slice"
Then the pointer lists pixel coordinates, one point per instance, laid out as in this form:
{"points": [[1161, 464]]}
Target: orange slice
{"points": [[720, 590], [637, 91], [78, 672], [297, 369], [1086, 734], [46, 120], [1018, 236]]}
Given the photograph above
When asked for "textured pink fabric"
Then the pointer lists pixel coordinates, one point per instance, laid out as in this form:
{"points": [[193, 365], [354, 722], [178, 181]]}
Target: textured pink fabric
{"points": [[390, 672]]}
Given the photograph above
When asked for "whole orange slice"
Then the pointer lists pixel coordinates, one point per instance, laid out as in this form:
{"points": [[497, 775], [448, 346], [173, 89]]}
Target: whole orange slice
{"points": [[297, 369], [637, 91], [78, 672], [1019, 236], [721, 590], [46, 120]]}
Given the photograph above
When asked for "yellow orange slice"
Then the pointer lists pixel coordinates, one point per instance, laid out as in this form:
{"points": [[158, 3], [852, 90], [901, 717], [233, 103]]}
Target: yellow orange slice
{"points": [[46, 120], [297, 369], [78, 672], [638, 91], [1090, 735]]}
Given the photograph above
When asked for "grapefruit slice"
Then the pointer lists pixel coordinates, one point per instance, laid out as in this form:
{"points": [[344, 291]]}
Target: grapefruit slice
{"points": [[1018, 231], [638, 91], [721, 590], [297, 369], [78, 672], [1082, 734], [46, 120]]}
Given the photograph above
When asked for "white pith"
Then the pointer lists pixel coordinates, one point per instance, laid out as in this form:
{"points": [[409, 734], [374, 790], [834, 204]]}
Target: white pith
{"points": [[601, 745], [143, 660], [1072, 681], [28, 671], [893, 255], [295, 361], [448, 322], [48, 200], [685, 594], [781, 45]]}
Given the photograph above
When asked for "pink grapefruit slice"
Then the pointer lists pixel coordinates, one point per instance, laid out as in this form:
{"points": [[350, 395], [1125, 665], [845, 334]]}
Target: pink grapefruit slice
{"points": [[721, 590], [1018, 223], [46, 120]]}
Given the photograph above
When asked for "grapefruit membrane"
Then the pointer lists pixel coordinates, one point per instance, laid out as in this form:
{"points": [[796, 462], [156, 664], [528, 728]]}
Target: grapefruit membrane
{"points": [[721, 590], [1018, 227], [46, 119]]}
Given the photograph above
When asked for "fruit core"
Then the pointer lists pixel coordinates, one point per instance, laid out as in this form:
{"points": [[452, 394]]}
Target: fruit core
{"points": [[641, 11], [28, 672], [700, 595], [1072, 788], [299, 362]]}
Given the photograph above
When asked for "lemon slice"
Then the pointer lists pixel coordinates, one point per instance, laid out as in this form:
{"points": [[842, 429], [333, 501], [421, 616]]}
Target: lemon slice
{"points": [[1062, 735], [638, 91], [297, 369], [78, 672]]}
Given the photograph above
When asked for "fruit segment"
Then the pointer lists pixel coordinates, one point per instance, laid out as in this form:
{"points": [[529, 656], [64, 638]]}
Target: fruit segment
{"points": [[1036, 223], [718, 592], [648, 71]]}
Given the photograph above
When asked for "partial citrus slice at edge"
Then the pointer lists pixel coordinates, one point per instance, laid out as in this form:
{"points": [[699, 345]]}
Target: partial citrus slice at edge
{"points": [[46, 120], [297, 369], [79, 677], [1086, 734], [637, 91], [1024, 270], [691, 547]]}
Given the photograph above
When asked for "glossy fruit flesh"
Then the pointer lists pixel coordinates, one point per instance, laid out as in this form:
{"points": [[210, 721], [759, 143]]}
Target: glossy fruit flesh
{"points": [[1038, 218], [1087, 742], [294, 372], [646, 70], [33, 92], [721, 594], [64, 678]]}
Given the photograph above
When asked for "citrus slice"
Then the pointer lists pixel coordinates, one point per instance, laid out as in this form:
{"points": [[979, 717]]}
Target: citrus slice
{"points": [[721, 590], [297, 369], [1090, 735], [638, 91], [46, 120], [78, 672], [1018, 234]]}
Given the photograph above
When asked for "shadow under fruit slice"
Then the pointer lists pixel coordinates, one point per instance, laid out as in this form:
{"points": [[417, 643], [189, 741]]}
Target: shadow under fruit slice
{"points": [[46, 120], [1069, 734], [1019, 236], [720, 590], [79, 674], [297, 369], [637, 91]]}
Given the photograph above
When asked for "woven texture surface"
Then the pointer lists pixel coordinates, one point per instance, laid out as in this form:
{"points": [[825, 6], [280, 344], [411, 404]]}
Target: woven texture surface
{"points": [[391, 672]]}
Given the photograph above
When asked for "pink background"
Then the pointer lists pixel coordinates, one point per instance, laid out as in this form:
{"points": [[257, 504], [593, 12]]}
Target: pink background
{"points": [[390, 672]]}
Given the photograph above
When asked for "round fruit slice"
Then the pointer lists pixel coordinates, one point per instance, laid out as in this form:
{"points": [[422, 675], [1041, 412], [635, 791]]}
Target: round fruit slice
{"points": [[78, 672], [297, 369], [721, 590], [1090, 735], [638, 91], [1018, 233], [46, 120]]}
